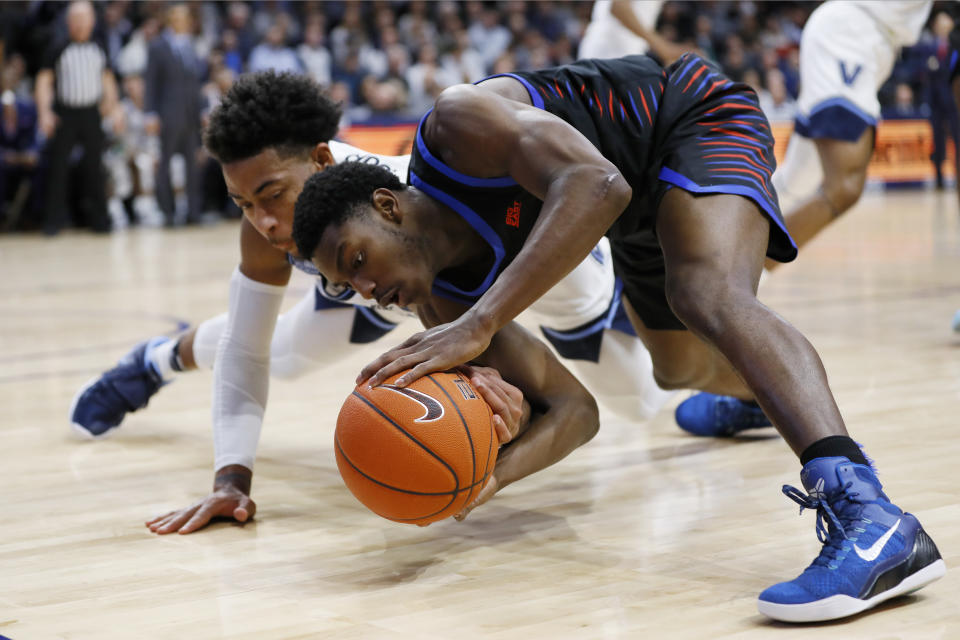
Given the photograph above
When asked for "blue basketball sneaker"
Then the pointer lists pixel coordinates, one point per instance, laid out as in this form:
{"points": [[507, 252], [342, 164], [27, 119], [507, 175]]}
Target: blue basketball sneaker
{"points": [[102, 403], [872, 551], [707, 414]]}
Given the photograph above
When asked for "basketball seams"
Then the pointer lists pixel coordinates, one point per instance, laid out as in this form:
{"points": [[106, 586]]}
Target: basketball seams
{"points": [[386, 498], [490, 449], [466, 429], [456, 479]]}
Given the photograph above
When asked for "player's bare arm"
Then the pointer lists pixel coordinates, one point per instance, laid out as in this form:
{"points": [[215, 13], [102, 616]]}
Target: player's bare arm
{"points": [[482, 134], [564, 414]]}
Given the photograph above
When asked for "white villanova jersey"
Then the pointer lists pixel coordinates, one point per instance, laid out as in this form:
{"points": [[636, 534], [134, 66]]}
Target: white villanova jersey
{"points": [[606, 37], [902, 20]]}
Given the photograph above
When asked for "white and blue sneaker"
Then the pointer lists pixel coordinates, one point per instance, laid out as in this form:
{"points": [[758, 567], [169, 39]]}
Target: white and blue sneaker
{"points": [[710, 415], [872, 551], [102, 403]]}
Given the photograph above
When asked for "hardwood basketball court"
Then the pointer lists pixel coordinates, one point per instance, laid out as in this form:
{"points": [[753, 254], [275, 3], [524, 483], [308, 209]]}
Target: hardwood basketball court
{"points": [[643, 533]]}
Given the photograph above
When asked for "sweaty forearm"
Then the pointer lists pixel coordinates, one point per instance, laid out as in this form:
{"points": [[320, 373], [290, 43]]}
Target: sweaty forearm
{"points": [[577, 210]]}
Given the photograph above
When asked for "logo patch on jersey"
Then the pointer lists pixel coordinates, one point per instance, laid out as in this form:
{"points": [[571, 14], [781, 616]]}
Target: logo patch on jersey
{"points": [[465, 389], [513, 214], [433, 409], [849, 78]]}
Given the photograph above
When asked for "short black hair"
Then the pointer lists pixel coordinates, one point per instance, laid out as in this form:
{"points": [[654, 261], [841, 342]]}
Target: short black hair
{"points": [[332, 196], [286, 111]]}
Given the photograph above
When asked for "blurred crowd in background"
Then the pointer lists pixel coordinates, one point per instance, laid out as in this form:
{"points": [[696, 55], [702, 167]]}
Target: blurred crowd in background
{"points": [[166, 66]]}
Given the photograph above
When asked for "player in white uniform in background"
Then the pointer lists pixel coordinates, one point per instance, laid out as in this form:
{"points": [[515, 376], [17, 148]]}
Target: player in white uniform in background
{"points": [[627, 27], [247, 345], [847, 52]]}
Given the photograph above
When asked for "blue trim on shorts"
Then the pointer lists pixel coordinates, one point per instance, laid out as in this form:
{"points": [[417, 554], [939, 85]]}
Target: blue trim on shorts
{"points": [[374, 318], [670, 176], [604, 321], [836, 119], [322, 302]]}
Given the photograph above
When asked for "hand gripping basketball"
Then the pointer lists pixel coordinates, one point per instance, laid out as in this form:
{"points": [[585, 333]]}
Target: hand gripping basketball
{"points": [[417, 454], [437, 349]]}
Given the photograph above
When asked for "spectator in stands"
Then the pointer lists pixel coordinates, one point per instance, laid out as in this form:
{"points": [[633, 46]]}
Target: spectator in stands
{"points": [[487, 36], [735, 61], [216, 202], [15, 77], [426, 79], [938, 91], [703, 37], [173, 102], [132, 59], [775, 102], [271, 12], [415, 26], [904, 106], [313, 52], [19, 157], [350, 73], [74, 88], [273, 53], [132, 158], [462, 62], [117, 29], [238, 21], [350, 35], [232, 58]]}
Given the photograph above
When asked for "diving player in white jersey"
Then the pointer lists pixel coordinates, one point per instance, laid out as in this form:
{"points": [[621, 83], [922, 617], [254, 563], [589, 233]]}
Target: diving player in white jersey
{"points": [[251, 133], [847, 52]]}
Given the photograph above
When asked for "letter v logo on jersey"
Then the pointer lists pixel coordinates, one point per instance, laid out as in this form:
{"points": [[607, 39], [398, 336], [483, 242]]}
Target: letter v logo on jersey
{"points": [[433, 409]]}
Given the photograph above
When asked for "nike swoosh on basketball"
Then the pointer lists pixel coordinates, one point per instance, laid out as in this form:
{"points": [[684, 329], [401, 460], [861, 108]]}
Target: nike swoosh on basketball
{"points": [[434, 409], [871, 554]]}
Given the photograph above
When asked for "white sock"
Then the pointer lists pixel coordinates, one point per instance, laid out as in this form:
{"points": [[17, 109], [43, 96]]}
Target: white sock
{"points": [[160, 356]]}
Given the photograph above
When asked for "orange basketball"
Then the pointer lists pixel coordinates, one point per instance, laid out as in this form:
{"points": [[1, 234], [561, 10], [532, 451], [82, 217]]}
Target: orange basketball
{"points": [[417, 454]]}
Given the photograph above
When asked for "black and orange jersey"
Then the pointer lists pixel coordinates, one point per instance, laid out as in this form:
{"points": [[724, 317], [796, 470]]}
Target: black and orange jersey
{"points": [[686, 126]]}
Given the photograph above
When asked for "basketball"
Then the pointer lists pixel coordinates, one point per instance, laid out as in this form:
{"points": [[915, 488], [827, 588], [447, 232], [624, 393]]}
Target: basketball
{"points": [[417, 454]]}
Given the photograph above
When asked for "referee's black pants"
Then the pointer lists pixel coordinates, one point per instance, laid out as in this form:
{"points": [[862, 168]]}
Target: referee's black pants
{"points": [[77, 126]]}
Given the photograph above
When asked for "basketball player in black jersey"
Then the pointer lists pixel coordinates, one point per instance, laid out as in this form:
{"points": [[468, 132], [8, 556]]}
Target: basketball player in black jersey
{"points": [[512, 181]]}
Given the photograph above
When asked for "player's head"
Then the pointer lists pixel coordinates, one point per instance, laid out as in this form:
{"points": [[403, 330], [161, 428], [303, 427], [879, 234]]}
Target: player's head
{"points": [[270, 133], [355, 222]]}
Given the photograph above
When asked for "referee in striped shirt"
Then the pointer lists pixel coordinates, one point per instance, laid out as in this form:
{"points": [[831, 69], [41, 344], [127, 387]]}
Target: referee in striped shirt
{"points": [[74, 89]]}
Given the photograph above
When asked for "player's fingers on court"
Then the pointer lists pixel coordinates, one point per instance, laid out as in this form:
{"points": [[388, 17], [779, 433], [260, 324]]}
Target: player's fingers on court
{"points": [[156, 519], [208, 510], [175, 521], [157, 524], [245, 510]]}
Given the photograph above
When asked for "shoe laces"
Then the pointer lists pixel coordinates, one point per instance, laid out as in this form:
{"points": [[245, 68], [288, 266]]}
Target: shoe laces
{"points": [[837, 512]]}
